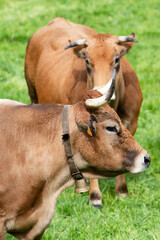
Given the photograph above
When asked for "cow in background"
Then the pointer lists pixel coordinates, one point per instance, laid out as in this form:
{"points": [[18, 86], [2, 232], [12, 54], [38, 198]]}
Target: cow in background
{"points": [[55, 75]]}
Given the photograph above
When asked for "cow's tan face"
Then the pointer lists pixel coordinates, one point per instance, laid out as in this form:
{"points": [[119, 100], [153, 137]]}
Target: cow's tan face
{"points": [[100, 63], [112, 150], [102, 55]]}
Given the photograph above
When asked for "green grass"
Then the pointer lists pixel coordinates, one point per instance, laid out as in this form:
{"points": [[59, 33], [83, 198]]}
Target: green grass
{"points": [[138, 216]]}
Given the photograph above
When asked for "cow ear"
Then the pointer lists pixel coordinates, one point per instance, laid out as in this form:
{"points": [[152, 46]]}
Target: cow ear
{"points": [[80, 51], [124, 47], [85, 120], [91, 130]]}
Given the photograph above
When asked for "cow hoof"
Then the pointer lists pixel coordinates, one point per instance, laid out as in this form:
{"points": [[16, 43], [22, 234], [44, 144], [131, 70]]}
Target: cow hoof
{"points": [[97, 206], [96, 203], [123, 195]]}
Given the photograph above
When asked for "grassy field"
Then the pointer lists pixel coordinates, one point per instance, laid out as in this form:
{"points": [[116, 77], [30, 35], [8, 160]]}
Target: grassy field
{"points": [[138, 216]]}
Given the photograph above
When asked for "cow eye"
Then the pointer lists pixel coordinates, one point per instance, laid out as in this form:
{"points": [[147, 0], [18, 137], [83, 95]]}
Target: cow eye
{"points": [[112, 129], [89, 66], [87, 61], [117, 60]]}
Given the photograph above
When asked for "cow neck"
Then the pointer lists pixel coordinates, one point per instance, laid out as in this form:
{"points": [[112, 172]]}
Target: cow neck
{"points": [[76, 174]]}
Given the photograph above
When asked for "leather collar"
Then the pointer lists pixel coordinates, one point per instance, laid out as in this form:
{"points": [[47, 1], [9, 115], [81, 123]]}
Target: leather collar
{"points": [[76, 174]]}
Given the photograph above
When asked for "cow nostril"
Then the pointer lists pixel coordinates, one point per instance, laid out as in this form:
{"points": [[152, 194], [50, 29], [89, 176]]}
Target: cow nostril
{"points": [[147, 160]]}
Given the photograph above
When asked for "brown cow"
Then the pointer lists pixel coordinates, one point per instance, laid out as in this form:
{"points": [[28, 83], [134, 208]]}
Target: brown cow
{"points": [[55, 75], [33, 167]]}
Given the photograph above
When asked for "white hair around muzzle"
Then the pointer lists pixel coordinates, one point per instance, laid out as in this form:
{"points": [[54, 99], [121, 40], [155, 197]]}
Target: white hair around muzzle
{"points": [[107, 92]]}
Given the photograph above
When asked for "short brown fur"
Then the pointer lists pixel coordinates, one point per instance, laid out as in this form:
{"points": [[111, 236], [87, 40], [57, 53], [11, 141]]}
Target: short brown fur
{"points": [[55, 75], [34, 170]]}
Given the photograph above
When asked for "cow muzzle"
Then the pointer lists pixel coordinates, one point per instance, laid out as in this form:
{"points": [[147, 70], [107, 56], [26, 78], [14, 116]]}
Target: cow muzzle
{"points": [[142, 162], [107, 92]]}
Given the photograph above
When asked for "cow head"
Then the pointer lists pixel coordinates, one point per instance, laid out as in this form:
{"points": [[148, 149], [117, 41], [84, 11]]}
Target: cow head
{"points": [[103, 144], [102, 54]]}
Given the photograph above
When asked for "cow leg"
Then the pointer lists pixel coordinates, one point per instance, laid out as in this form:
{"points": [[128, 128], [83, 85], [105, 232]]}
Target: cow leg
{"points": [[121, 186], [2, 231], [23, 236], [28, 236], [95, 197], [3, 235]]}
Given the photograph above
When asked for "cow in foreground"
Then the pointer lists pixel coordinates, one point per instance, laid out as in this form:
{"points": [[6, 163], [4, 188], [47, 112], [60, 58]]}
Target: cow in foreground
{"points": [[33, 166], [55, 75]]}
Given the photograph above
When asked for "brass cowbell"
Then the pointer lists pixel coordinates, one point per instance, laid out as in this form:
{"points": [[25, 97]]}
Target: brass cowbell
{"points": [[81, 186]]}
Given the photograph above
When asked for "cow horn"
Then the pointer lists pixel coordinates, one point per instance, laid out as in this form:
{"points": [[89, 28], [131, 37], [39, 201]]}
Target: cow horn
{"points": [[122, 39], [98, 102], [76, 43]]}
